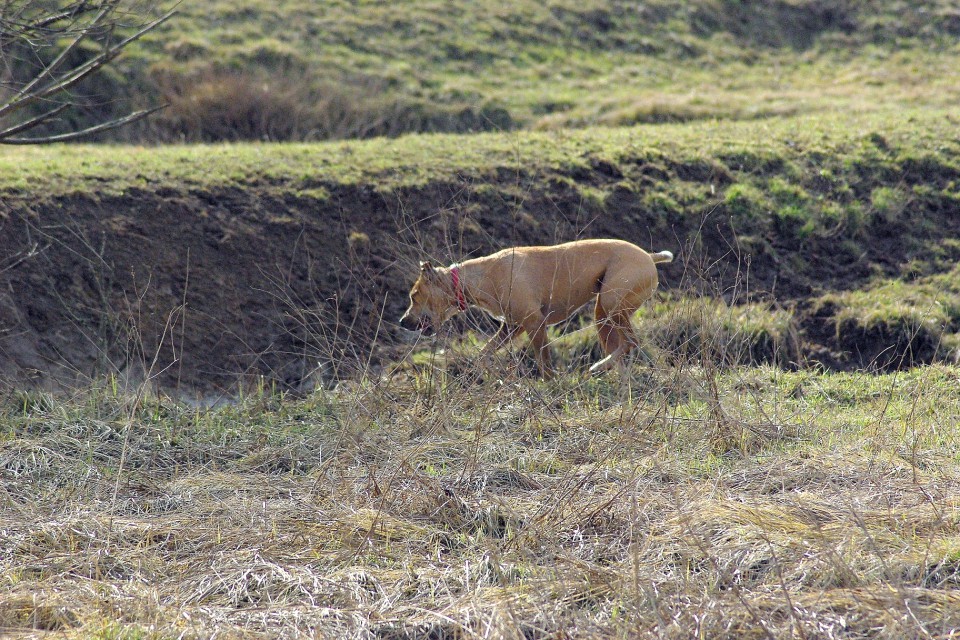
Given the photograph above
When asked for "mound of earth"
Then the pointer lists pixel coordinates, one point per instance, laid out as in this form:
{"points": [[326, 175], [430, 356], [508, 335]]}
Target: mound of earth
{"points": [[203, 290]]}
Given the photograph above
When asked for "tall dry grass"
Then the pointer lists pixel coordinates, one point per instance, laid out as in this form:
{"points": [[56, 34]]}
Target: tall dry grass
{"points": [[217, 106]]}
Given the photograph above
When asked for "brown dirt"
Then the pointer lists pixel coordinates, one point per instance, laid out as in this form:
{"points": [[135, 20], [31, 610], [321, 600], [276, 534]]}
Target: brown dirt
{"points": [[205, 290]]}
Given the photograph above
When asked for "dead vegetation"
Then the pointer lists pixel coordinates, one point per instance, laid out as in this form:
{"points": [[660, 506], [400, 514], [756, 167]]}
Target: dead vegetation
{"points": [[679, 501], [708, 491]]}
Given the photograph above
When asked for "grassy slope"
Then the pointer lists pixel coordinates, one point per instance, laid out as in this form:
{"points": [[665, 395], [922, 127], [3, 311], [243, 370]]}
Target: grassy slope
{"points": [[462, 65], [586, 61], [832, 146]]}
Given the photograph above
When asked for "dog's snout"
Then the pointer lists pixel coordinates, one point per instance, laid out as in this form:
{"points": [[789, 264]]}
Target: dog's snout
{"points": [[421, 324]]}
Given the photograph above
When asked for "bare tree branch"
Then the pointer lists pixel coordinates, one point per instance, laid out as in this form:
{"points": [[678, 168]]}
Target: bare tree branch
{"points": [[69, 12], [74, 135], [80, 72], [53, 66], [22, 28], [33, 122]]}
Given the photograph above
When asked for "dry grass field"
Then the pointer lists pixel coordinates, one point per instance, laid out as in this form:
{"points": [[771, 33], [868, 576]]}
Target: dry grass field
{"points": [[447, 500], [211, 426]]}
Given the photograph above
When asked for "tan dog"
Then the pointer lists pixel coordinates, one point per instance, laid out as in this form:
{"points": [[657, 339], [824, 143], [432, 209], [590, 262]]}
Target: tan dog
{"points": [[530, 288]]}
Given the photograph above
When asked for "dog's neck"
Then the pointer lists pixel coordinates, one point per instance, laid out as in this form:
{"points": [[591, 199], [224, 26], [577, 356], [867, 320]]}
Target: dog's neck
{"points": [[457, 282], [470, 277]]}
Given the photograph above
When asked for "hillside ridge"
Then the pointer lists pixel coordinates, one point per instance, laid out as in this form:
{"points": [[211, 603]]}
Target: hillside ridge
{"points": [[287, 259]]}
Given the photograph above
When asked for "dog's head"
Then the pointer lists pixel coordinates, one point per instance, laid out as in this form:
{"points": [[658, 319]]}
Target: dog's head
{"points": [[432, 300]]}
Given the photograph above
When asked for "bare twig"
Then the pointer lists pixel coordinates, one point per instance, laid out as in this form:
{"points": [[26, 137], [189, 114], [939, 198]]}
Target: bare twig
{"points": [[59, 76]]}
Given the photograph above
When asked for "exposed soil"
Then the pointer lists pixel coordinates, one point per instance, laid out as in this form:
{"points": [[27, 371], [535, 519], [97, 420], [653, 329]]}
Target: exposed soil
{"points": [[205, 290]]}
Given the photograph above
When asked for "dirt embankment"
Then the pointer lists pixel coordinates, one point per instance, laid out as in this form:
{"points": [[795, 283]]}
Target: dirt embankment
{"points": [[207, 289]]}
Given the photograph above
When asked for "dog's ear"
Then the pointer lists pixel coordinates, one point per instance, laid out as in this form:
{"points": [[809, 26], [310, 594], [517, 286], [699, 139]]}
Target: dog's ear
{"points": [[429, 273]]}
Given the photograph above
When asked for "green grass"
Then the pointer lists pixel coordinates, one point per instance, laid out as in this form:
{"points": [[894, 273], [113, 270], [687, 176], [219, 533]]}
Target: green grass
{"points": [[919, 315], [562, 62], [303, 70], [834, 151], [932, 301]]}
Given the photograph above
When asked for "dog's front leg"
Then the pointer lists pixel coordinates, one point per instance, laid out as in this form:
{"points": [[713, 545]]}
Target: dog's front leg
{"points": [[541, 350], [504, 334]]}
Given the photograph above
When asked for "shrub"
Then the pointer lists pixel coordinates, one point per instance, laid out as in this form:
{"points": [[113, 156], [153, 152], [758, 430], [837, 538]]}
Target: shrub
{"points": [[710, 330], [230, 107], [217, 106]]}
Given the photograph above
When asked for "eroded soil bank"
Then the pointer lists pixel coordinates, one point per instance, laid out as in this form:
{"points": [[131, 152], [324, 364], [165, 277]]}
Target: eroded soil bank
{"points": [[205, 289]]}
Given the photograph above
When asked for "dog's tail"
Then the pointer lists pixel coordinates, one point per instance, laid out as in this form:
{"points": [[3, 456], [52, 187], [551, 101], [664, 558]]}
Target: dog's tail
{"points": [[663, 256]]}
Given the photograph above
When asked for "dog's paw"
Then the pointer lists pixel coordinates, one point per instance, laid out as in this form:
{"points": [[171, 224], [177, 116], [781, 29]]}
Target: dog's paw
{"points": [[602, 366]]}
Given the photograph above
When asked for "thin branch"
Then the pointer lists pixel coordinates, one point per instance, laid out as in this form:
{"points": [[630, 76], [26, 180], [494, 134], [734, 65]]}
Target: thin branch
{"points": [[22, 256], [69, 12], [33, 122], [77, 74], [66, 137], [53, 66], [17, 29]]}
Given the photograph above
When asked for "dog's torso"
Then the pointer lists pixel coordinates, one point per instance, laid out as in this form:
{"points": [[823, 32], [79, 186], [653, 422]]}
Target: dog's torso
{"points": [[554, 281]]}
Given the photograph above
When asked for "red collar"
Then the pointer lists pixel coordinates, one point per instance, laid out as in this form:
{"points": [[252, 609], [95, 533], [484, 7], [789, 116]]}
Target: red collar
{"points": [[457, 289]]}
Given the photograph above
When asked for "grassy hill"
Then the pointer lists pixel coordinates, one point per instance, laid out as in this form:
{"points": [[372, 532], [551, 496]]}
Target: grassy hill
{"points": [[304, 70], [318, 240]]}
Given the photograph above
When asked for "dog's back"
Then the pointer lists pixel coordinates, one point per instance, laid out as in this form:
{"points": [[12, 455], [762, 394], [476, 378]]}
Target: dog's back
{"points": [[559, 279]]}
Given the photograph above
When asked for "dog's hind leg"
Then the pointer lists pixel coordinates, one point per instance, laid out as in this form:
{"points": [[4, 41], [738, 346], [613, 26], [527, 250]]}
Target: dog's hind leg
{"points": [[628, 335], [621, 338], [612, 341], [606, 331], [626, 342]]}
